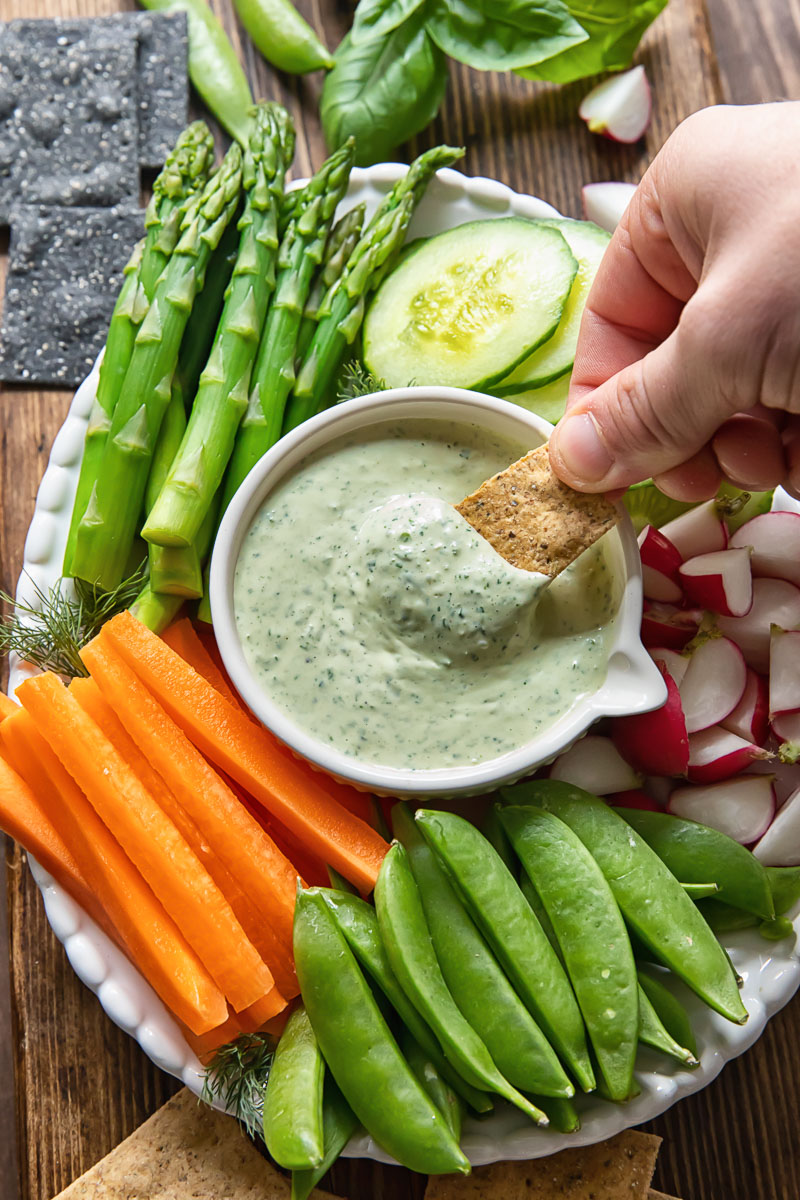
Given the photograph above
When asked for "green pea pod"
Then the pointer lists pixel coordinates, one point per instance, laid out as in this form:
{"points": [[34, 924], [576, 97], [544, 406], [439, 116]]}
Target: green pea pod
{"points": [[671, 1013], [653, 1032], [651, 899], [534, 899], [440, 1092], [283, 37], [512, 930], [359, 925], [561, 1113], [293, 1101], [724, 918], [214, 67], [784, 883], [591, 933], [696, 854], [338, 882], [777, 929], [339, 1123], [405, 935], [476, 979], [360, 1051], [496, 836]]}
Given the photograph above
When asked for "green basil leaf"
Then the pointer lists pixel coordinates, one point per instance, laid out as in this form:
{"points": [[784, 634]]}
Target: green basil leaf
{"points": [[497, 35], [384, 90], [379, 17], [615, 28]]}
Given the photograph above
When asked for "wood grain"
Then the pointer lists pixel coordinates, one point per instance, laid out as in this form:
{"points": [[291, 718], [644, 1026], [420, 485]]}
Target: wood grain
{"points": [[81, 1085]]}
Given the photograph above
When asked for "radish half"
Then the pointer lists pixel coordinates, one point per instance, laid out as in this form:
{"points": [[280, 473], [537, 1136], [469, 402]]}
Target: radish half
{"points": [[780, 844], [774, 538], [663, 625], [750, 718], [619, 108], [660, 565], [605, 203], [784, 670], [655, 743], [698, 531], [742, 808], [713, 684], [635, 798], [721, 581], [716, 754], [675, 663], [595, 764], [775, 602]]}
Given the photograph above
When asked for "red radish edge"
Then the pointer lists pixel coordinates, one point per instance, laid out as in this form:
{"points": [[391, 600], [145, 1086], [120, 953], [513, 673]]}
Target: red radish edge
{"points": [[716, 754], [721, 581], [655, 743], [750, 718]]}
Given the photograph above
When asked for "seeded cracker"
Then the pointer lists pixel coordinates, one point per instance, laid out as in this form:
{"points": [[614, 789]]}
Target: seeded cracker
{"points": [[64, 273], [533, 519]]}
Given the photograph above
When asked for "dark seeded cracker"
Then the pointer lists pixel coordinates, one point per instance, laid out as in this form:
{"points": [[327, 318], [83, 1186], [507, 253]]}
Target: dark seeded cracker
{"points": [[68, 122], [534, 520], [64, 273]]}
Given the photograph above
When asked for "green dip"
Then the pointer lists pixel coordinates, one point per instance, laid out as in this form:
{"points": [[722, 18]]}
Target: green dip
{"points": [[378, 620]]}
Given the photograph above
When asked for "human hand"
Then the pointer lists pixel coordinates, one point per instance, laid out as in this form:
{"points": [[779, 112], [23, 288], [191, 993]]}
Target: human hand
{"points": [[688, 362]]}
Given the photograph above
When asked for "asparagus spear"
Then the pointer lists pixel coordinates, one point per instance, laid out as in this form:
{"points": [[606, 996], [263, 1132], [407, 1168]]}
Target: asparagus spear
{"points": [[178, 570], [299, 256], [109, 524], [185, 171], [343, 308], [221, 399], [156, 610], [202, 324], [342, 241]]}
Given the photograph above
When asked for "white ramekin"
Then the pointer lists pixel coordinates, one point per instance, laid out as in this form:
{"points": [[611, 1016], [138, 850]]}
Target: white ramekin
{"points": [[633, 683]]}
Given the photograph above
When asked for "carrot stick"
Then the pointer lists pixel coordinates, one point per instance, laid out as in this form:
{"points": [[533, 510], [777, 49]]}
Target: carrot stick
{"points": [[7, 707], [263, 1010], [150, 839], [258, 882], [250, 755], [206, 1046], [184, 640], [152, 940]]}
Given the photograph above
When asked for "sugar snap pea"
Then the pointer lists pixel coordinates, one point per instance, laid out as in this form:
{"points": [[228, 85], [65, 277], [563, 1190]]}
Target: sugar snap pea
{"points": [[777, 929], [360, 1051], [512, 930], [651, 899], [591, 933], [534, 899], [496, 836], [724, 918], [339, 1123], [668, 1007], [359, 924], [784, 884], [475, 978], [561, 1113], [408, 945], [293, 1101], [284, 38], [696, 854], [440, 1092], [653, 1032]]}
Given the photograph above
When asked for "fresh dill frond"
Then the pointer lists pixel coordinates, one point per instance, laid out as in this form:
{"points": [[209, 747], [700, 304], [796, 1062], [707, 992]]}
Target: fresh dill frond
{"points": [[51, 630], [237, 1075], [356, 380]]}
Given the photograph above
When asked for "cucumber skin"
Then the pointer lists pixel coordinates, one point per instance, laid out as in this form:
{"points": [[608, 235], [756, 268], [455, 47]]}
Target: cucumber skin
{"points": [[489, 382]]}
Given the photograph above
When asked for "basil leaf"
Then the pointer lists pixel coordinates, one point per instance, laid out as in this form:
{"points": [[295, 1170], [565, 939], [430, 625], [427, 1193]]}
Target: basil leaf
{"points": [[380, 17], [384, 90], [615, 28], [496, 35]]}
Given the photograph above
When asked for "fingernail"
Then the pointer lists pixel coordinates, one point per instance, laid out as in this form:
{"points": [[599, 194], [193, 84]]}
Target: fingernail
{"points": [[581, 450]]}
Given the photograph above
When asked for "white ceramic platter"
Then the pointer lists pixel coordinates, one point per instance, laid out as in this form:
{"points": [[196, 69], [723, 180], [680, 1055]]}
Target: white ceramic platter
{"points": [[770, 971]]}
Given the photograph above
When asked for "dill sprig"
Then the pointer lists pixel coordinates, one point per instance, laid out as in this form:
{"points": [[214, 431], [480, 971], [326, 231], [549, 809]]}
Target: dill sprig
{"points": [[356, 380], [237, 1075], [50, 631]]}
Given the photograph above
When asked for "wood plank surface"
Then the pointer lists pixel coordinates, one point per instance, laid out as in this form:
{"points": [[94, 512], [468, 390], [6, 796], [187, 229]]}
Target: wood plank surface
{"points": [[81, 1085]]}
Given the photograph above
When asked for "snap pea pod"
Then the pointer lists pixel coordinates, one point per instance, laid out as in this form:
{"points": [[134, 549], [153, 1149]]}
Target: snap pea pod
{"points": [[440, 1092], [293, 1101], [784, 884], [534, 899], [670, 1011], [651, 899], [338, 882], [512, 930], [653, 1032], [284, 38], [496, 836], [561, 1113], [777, 929], [359, 924], [408, 946], [360, 1051], [724, 918], [591, 933], [475, 978], [339, 1123], [694, 854]]}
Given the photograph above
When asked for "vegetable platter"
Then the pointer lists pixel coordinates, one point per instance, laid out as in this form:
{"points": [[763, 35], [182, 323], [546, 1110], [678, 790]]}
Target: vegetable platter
{"points": [[770, 971]]}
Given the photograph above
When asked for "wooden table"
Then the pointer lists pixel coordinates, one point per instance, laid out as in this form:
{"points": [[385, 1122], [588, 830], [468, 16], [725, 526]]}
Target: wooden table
{"points": [[71, 1084]]}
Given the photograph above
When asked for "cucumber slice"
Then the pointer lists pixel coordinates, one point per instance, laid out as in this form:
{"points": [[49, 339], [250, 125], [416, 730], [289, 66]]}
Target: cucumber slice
{"points": [[469, 304], [588, 244], [549, 401]]}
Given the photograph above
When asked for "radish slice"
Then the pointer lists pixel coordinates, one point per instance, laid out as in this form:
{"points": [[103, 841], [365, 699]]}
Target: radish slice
{"points": [[655, 742], [698, 531], [675, 663], [774, 538], [660, 564], [721, 581], [780, 845], [786, 728], [619, 108], [750, 718], [635, 798], [775, 602], [605, 203], [742, 808], [595, 764], [784, 670], [716, 754], [713, 684], [669, 627]]}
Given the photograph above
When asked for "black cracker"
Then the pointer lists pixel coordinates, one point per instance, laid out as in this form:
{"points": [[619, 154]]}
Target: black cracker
{"points": [[64, 274]]}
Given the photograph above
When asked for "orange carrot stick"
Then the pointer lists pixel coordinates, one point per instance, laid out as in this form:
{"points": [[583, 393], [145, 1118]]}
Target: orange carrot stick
{"points": [[153, 941], [236, 852], [184, 640], [150, 839], [250, 755], [206, 1046], [263, 1010], [7, 707]]}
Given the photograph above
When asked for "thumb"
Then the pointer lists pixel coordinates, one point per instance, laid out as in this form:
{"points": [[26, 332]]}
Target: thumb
{"points": [[648, 418]]}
